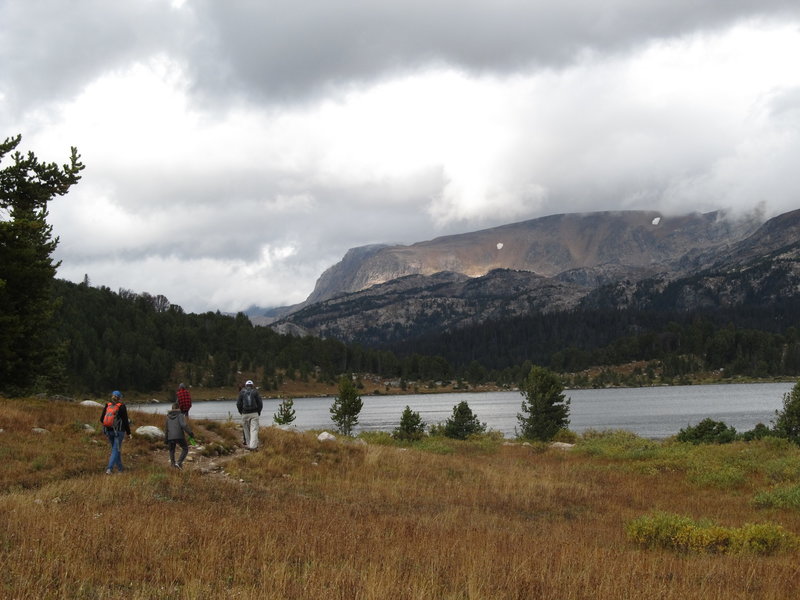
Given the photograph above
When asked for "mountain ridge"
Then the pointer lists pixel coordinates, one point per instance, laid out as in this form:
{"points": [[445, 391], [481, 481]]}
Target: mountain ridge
{"points": [[547, 245], [584, 260]]}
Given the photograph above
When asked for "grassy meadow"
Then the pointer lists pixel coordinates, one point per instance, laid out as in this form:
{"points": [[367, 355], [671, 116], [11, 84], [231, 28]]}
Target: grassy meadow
{"points": [[616, 516]]}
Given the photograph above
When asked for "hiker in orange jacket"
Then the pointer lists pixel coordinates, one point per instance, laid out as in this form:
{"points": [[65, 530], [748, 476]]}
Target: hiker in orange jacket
{"points": [[115, 425]]}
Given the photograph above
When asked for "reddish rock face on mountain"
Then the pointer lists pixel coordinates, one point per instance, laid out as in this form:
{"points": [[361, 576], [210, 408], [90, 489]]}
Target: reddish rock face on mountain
{"points": [[549, 246]]}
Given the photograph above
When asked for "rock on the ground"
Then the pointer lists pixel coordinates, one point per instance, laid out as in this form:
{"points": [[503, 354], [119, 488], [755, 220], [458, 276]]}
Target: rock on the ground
{"points": [[91, 403], [326, 437], [562, 445], [292, 428], [150, 431]]}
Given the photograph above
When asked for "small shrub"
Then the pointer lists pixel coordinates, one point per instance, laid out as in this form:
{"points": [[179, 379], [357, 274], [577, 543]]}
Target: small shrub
{"points": [[707, 431], [617, 444], [759, 432], [684, 534], [378, 438], [566, 436], [783, 497], [436, 445], [718, 476]]}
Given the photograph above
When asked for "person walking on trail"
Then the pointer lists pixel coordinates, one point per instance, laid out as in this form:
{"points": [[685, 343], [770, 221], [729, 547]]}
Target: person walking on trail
{"points": [[249, 406], [174, 427], [184, 399], [115, 426]]}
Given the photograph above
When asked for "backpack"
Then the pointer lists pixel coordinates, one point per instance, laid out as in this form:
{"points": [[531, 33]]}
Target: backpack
{"points": [[111, 418], [248, 405]]}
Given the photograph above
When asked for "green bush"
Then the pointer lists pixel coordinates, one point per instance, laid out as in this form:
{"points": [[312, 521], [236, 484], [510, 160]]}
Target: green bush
{"points": [[684, 534], [759, 432], [707, 431], [722, 476], [782, 497], [617, 444], [566, 436]]}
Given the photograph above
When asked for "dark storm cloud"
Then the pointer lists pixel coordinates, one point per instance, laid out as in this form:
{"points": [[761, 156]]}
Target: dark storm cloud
{"points": [[285, 49]]}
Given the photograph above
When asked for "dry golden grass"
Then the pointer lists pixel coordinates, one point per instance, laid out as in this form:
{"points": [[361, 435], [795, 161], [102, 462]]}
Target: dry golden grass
{"points": [[307, 519]]}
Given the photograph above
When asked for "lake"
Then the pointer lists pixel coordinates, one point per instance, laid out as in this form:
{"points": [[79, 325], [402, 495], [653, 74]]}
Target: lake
{"points": [[652, 412]]}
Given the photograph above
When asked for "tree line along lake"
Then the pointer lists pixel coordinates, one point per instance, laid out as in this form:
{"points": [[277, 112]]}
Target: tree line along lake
{"points": [[650, 412]]}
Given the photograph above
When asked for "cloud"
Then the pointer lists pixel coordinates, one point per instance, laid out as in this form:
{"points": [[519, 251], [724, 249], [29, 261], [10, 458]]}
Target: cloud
{"points": [[236, 150], [285, 50]]}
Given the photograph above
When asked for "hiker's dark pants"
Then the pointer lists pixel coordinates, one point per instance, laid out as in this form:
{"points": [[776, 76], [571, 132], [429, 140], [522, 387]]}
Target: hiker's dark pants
{"points": [[184, 450]]}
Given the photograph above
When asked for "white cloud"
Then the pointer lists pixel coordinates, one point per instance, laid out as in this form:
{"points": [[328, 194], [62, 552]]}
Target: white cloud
{"points": [[223, 146]]}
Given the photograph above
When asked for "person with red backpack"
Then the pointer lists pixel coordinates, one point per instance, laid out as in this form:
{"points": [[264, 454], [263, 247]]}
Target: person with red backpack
{"points": [[115, 425]]}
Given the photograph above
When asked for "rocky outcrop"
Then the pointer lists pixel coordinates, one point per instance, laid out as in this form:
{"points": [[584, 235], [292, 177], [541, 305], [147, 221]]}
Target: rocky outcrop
{"points": [[411, 305], [598, 260], [589, 244]]}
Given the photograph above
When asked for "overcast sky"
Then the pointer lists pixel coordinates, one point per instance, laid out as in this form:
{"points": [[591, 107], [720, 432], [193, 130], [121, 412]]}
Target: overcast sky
{"points": [[235, 150]]}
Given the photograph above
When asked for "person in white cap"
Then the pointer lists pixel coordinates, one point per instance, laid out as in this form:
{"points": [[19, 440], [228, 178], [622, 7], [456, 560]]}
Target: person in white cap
{"points": [[250, 406]]}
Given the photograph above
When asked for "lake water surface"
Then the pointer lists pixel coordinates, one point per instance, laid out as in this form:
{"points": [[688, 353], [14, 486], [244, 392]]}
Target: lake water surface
{"points": [[653, 412]]}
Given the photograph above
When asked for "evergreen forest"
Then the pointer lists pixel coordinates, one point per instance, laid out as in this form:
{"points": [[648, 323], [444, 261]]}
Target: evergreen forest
{"points": [[143, 342], [754, 342]]}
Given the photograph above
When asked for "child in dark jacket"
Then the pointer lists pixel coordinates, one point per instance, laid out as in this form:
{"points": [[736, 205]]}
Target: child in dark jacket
{"points": [[174, 427]]}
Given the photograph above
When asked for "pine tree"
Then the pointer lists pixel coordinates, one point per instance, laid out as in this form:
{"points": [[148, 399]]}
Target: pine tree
{"points": [[285, 414], [787, 423], [28, 351], [346, 406], [412, 427], [545, 410], [463, 422]]}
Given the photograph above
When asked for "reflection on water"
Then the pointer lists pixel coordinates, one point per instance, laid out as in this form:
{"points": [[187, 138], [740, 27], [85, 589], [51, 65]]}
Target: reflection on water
{"points": [[656, 412]]}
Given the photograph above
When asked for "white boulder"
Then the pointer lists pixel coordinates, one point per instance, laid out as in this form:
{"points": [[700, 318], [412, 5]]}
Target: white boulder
{"points": [[326, 437], [150, 431], [562, 445], [292, 428], [91, 403]]}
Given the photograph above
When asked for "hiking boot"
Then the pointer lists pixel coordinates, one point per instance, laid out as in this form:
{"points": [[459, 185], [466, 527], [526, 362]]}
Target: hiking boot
{"points": [[108, 471], [180, 466], [176, 465]]}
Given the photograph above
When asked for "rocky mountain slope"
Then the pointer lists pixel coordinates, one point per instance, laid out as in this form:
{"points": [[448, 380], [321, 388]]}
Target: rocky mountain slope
{"points": [[548, 246], [628, 259], [760, 270]]}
